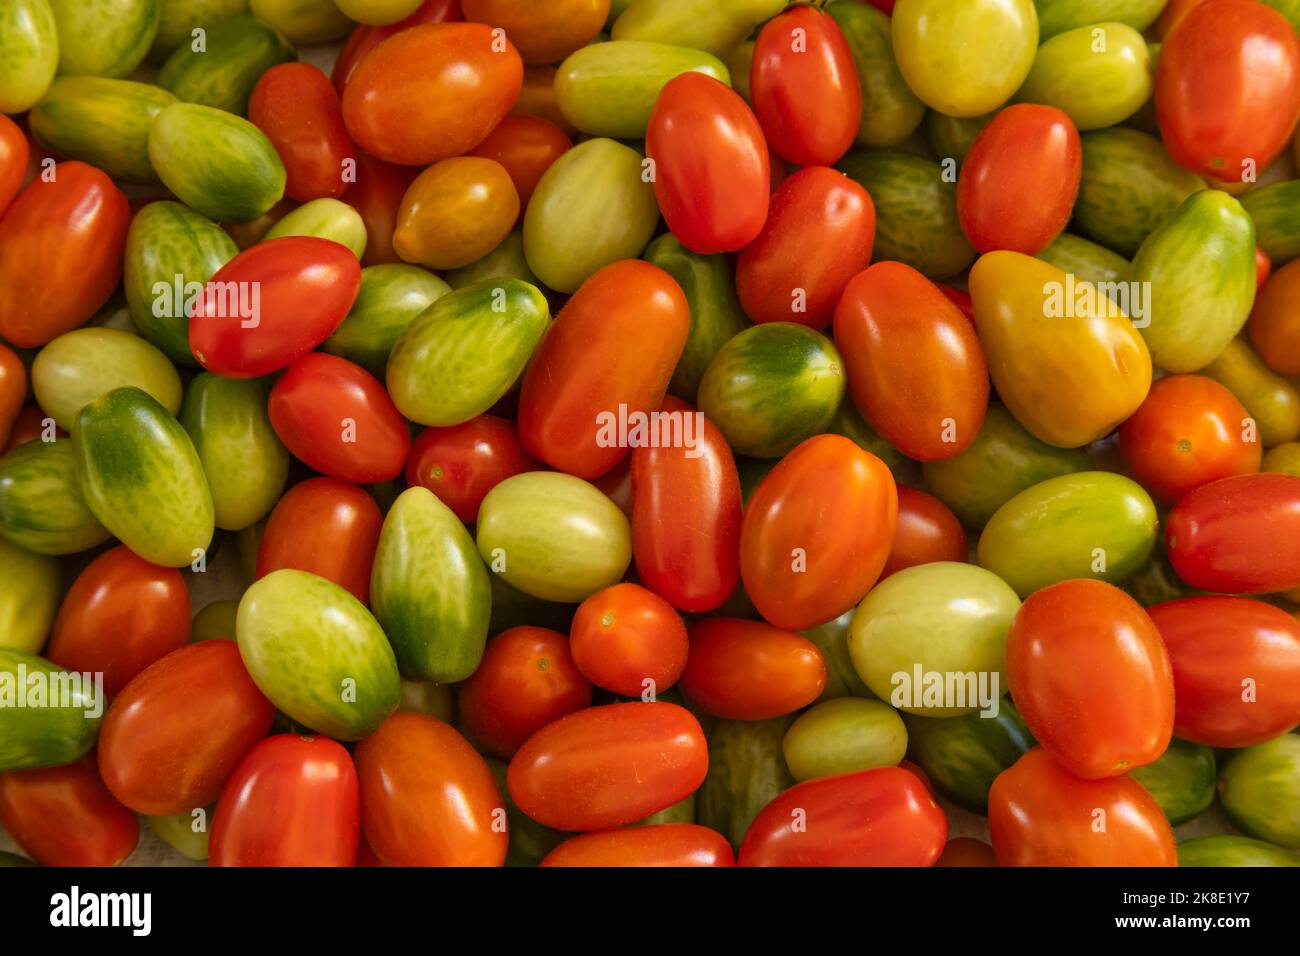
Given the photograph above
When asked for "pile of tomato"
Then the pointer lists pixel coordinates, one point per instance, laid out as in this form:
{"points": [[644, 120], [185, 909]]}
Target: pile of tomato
{"points": [[650, 432]]}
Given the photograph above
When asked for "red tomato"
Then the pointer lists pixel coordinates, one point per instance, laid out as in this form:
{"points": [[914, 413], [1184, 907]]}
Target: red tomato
{"points": [[1091, 678], [748, 670], [604, 767], [1042, 815], [61, 252], [818, 235], [526, 146], [432, 92], [65, 816], [462, 463], [664, 844], [616, 484], [273, 303], [711, 174], [292, 801], [686, 518], [965, 852], [30, 425], [805, 87], [364, 38], [298, 110], [1189, 431], [927, 531], [120, 616], [884, 6], [13, 391], [1238, 535], [428, 799], [14, 151], [880, 817], [327, 527], [1173, 14], [170, 740], [629, 641], [1263, 267], [608, 355], [960, 299], [377, 197], [544, 32], [1236, 669], [1228, 88], [915, 365], [817, 532], [527, 679], [1027, 150], [337, 418]]}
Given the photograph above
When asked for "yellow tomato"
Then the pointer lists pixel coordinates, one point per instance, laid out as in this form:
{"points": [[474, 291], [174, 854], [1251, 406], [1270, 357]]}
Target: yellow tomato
{"points": [[455, 212]]}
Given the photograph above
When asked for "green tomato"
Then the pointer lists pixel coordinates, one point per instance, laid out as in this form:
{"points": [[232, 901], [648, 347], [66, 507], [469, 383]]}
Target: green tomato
{"points": [[683, 811], [506, 261], [391, 297], [13, 859], [738, 63], [186, 833], [1057, 16], [1086, 260], [844, 735], [1231, 850], [1182, 780], [1259, 788], [962, 756], [42, 507], [1099, 75], [29, 53], [511, 607], [48, 717], [29, 598], [951, 137], [554, 536], [324, 219], [378, 12], [1275, 210], [832, 639], [931, 639], [426, 697], [699, 24], [894, 112], [530, 841], [226, 67], [303, 21], [317, 654], [104, 37], [216, 621], [181, 18], [848, 421], [746, 771]]}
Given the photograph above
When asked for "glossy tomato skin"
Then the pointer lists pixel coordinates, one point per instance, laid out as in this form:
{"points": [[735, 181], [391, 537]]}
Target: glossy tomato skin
{"points": [[880, 817], [526, 146], [663, 844], [273, 303], [612, 347], [1228, 88], [927, 531], [337, 418], [365, 38], [1236, 666], [377, 196], [527, 679], [686, 518], [916, 369], [65, 816], [1027, 150], [1238, 535], [298, 110], [748, 670], [1189, 431], [1042, 815], [14, 151], [432, 92], [817, 532], [61, 253], [820, 228], [1091, 678], [712, 176], [544, 32], [121, 615], [462, 463], [604, 767], [325, 526], [428, 798], [629, 641], [805, 87], [292, 801], [13, 392], [177, 731]]}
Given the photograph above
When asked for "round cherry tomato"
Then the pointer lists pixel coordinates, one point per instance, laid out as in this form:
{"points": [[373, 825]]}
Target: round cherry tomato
{"points": [[686, 518], [428, 798], [543, 32], [527, 679], [13, 391], [603, 767], [748, 670], [298, 110], [664, 844], [880, 817], [1238, 535], [915, 366], [712, 176], [629, 640], [966, 852], [817, 532], [14, 151], [462, 463], [327, 527], [526, 146], [1228, 88], [818, 235], [1274, 325], [1027, 150], [927, 531], [170, 740], [1189, 431], [805, 87], [338, 419], [377, 196], [120, 616], [1236, 669], [61, 253], [273, 303], [1040, 814], [292, 801], [455, 212], [65, 816], [608, 356], [365, 38], [432, 92]]}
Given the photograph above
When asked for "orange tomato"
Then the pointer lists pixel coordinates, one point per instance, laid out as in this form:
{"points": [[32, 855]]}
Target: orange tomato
{"points": [[537, 98], [664, 844], [927, 531], [626, 636], [543, 30], [526, 146], [1274, 325], [748, 670], [14, 151], [455, 212], [377, 195]]}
